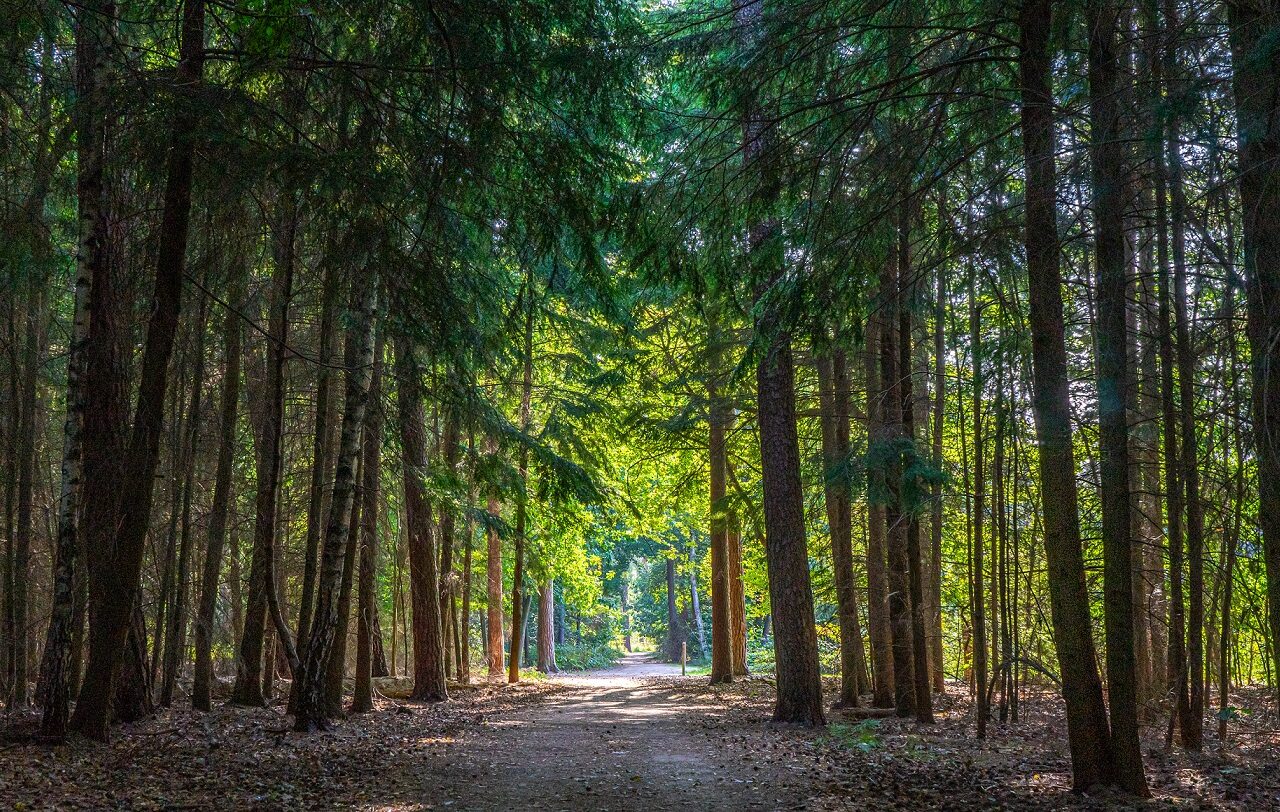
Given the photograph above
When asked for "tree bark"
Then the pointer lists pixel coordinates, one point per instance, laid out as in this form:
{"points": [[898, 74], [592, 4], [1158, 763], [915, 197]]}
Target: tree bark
{"points": [[923, 702], [517, 576], [877, 571], [114, 590], [1088, 733], [718, 418], [424, 579], [493, 582], [1254, 25], [336, 668], [675, 631], [321, 454], [366, 623], [28, 436], [262, 580], [1192, 720], [93, 22], [358, 359], [1106, 154], [936, 657], [833, 396], [176, 634], [896, 520], [546, 628], [233, 333], [737, 597], [976, 587], [799, 688]]}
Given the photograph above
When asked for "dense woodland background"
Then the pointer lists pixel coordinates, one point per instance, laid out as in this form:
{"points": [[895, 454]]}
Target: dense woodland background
{"points": [[924, 344]]}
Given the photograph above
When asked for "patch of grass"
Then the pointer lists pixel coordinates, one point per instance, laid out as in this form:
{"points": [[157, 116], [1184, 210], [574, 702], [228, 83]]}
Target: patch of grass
{"points": [[586, 658], [864, 736]]}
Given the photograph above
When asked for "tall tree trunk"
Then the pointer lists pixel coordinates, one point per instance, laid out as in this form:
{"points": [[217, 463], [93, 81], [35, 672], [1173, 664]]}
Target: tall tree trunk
{"points": [[718, 417], [321, 454], [1106, 154], [737, 597], [1192, 721], [896, 521], [262, 580], [1231, 534], [1254, 26], [176, 634], [518, 615], [877, 571], [29, 431], [795, 644], [493, 583], [675, 630], [936, 663], [424, 579], [94, 20], [1088, 733], [464, 672], [1176, 663], [976, 588], [923, 703], [366, 622], [695, 599], [546, 628], [233, 333], [833, 397], [114, 586], [358, 359], [449, 443], [336, 668]]}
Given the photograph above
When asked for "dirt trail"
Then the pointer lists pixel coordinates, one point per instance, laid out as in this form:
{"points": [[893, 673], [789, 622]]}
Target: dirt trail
{"points": [[625, 738]]}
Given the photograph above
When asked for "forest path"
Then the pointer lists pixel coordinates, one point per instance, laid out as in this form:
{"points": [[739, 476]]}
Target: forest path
{"points": [[631, 737]]}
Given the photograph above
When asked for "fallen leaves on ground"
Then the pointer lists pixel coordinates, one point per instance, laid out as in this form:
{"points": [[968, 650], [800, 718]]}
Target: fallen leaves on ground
{"points": [[414, 756]]}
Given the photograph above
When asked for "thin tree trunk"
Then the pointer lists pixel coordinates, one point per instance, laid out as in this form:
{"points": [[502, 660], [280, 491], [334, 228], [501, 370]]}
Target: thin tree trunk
{"points": [[424, 579], [923, 703], [1231, 535], [449, 442], [336, 668], [28, 435], [976, 588], [877, 572], [493, 583], [1254, 26], [675, 632], [737, 598], [718, 417], [366, 628], [546, 628], [176, 635], [1088, 733], [1106, 153], [57, 673], [935, 546], [262, 581], [464, 675], [1192, 721], [517, 579], [358, 359], [833, 396], [321, 454], [217, 529]]}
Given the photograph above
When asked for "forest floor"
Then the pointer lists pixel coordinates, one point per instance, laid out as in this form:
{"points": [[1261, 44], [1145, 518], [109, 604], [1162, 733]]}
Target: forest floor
{"points": [[634, 737]]}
